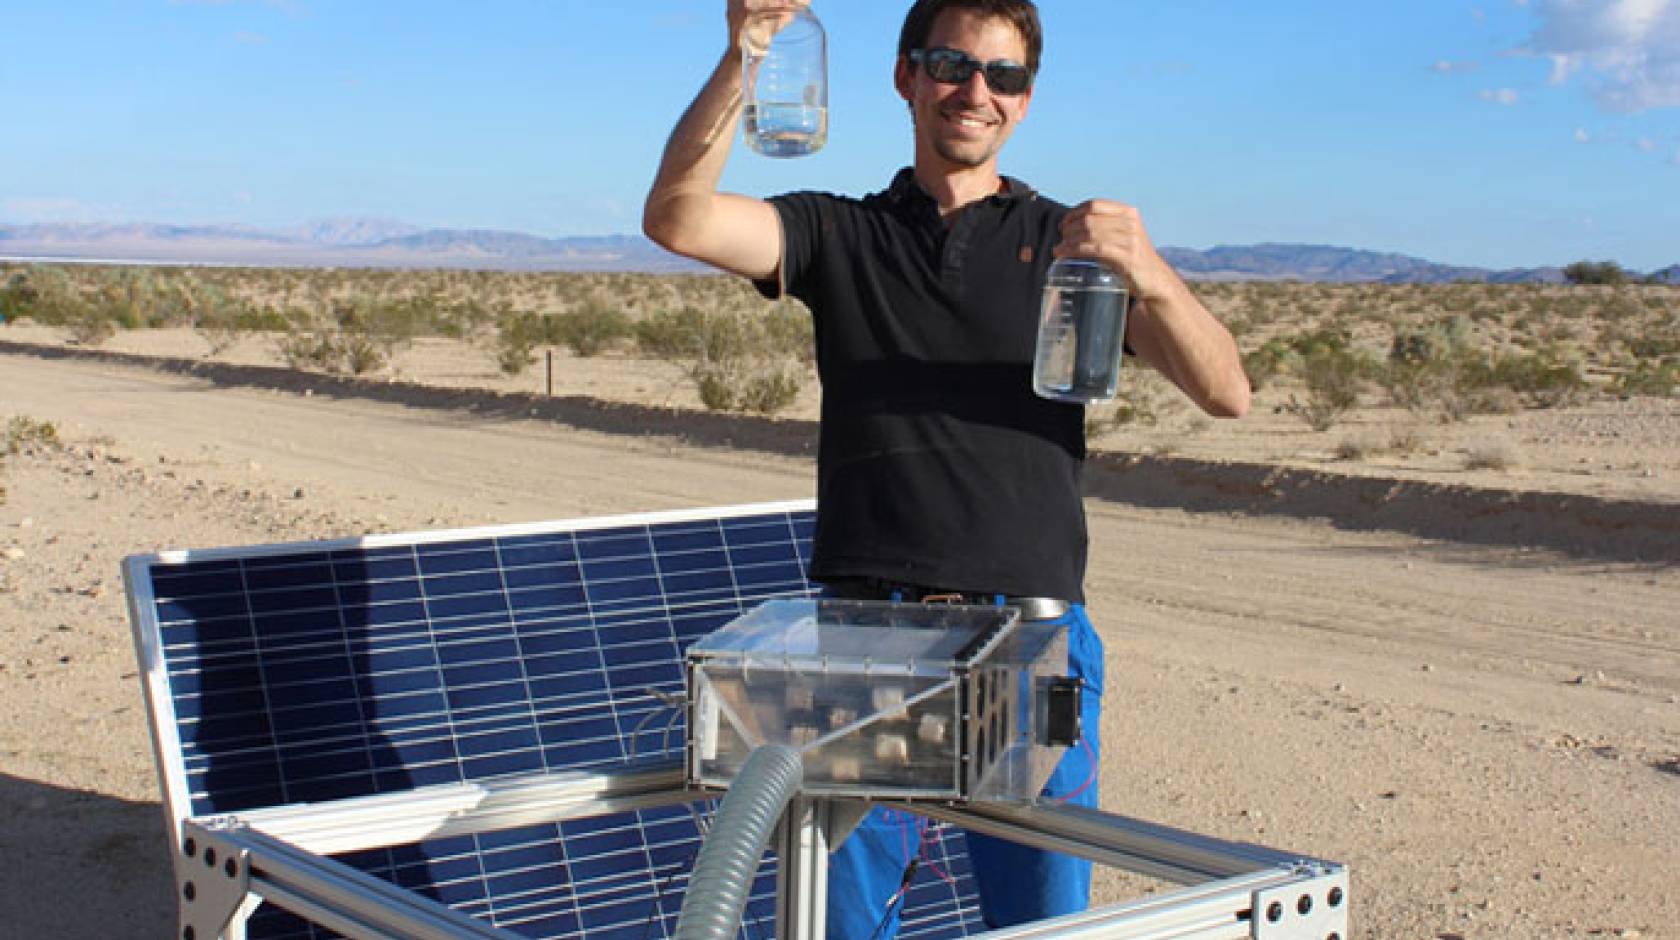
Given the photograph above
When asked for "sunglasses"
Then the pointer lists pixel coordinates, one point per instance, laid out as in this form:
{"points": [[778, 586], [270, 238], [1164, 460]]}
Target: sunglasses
{"points": [[954, 67]]}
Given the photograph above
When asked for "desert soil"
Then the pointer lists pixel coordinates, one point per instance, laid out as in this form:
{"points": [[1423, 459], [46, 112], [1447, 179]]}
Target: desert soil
{"points": [[1480, 714]]}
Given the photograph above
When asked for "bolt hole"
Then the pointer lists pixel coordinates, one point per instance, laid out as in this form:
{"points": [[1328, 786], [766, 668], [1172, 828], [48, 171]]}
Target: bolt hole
{"points": [[210, 858], [1336, 898], [189, 891], [1304, 904], [187, 933], [189, 848], [1334, 936], [232, 868], [1274, 913]]}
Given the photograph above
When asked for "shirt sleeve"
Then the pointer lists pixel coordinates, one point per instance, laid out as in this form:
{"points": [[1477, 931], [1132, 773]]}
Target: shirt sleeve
{"points": [[800, 215]]}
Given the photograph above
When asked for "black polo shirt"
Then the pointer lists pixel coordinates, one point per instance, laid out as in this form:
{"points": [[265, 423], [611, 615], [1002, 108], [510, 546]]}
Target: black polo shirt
{"points": [[937, 464]]}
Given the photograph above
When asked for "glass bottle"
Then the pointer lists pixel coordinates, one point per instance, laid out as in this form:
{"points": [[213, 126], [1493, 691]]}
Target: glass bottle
{"points": [[1081, 331], [784, 84]]}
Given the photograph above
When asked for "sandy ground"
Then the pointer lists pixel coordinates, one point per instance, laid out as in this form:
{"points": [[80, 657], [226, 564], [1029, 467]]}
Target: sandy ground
{"points": [[1485, 726]]}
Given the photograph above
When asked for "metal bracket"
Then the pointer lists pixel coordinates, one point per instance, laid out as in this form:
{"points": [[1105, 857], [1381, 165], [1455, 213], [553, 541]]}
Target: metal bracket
{"points": [[1313, 908], [215, 878], [844, 817]]}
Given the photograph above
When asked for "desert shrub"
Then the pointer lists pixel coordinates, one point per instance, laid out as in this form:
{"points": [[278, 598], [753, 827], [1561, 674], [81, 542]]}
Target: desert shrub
{"points": [[739, 359], [1655, 345], [49, 296], [310, 349], [1287, 355], [1266, 362], [360, 353], [1545, 379], [790, 331], [1490, 455], [670, 333], [1334, 378], [89, 326], [517, 338], [590, 329], [1429, 368], [25, 433], [385, 325], [746, 385], [216, 317], [1594, 272], [1647, 378]]}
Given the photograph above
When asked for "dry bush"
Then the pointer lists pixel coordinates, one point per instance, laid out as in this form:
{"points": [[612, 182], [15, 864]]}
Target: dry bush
{"points": [[591, 328], [517, 339], [26, 435], [1334, 375], [1491, 455], [1657, 380], [309, 349], [739, 358]]}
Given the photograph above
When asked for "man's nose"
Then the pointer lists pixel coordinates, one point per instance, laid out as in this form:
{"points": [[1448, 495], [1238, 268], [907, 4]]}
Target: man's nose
{"points": [[975, 88]]}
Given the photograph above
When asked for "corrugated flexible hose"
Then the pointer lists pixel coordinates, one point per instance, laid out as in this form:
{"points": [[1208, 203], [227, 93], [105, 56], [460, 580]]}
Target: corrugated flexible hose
{"points": [[723, 873]]}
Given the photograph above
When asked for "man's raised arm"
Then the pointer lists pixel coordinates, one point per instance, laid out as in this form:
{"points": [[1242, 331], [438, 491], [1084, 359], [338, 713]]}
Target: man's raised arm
{"points": [[685, 213]]}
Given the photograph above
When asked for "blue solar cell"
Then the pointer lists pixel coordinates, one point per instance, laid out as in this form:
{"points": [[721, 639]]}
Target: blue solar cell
{"points": [[320, 674]]}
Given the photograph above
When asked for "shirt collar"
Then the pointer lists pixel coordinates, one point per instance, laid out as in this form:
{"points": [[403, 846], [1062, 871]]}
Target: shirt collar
{"points": [[906, 190]]}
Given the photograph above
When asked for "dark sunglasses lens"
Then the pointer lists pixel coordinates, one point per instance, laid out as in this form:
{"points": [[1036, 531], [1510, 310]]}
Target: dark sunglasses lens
{"points": [[1008, 79], [949, 66], [954, 68]]}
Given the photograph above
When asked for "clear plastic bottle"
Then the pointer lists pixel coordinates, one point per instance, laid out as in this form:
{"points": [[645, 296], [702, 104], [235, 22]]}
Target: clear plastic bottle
{"points": [[1081, 331], [784, 82]]}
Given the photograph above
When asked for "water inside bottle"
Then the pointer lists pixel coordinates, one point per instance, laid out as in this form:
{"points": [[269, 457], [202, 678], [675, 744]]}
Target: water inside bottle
{"points": [[786, 129], [1079, 344]]}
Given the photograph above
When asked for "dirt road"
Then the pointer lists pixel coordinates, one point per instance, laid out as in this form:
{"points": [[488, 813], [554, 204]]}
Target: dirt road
{"points": [[1489, 735]]}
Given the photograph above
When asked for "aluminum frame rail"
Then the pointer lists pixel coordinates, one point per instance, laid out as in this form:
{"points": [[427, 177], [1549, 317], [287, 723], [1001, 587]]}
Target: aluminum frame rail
{"points": [[1235, 891]]}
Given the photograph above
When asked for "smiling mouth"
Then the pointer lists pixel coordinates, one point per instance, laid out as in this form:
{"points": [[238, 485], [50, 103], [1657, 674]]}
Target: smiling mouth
{"points": [[970, 122]]}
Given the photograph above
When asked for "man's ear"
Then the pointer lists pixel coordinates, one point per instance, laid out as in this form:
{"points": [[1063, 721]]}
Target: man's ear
{"points": [[903, 77]]}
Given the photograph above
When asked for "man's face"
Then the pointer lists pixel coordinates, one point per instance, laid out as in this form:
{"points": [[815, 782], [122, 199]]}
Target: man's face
{"points": [[964, 125]]}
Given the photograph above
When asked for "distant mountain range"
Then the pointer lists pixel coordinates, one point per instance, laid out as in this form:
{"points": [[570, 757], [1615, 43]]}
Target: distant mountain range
{"points": [[382, 243], [349, 243]]}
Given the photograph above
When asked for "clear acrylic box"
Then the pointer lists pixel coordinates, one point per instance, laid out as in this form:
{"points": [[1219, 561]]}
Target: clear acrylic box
{"points": [[886, 700]]}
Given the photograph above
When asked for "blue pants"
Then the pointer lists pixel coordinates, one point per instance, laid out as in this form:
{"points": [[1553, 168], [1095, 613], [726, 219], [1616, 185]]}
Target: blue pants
{"points": [[1017, 884]]}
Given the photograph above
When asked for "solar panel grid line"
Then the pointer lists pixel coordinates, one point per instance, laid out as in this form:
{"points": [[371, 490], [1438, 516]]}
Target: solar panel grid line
{"points": [[256, 643], [595, 631]]}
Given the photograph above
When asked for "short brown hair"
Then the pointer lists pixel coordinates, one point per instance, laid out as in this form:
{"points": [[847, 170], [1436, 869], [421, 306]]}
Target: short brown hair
{"points": [[1021, 14]]}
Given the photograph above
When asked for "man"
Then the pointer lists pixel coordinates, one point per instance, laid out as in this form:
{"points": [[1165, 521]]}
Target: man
{"points": [[938, 470]]}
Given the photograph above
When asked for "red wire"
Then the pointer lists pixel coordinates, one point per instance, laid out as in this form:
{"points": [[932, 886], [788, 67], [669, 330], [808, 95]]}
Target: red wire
{"points": [[922, 825], [1091, 778]]}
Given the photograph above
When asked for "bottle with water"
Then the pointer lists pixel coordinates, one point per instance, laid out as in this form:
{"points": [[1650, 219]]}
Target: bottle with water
{"points": [[1081, 331], [784, 84]]}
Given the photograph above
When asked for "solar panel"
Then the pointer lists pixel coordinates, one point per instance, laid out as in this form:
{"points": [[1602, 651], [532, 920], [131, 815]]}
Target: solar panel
{"points": [[290, 674]]}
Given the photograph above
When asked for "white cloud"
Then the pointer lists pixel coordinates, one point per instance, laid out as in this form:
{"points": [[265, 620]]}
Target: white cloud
{"points": [[1581, 135], [1500, 96], [1449, 67], [1628, 50]]}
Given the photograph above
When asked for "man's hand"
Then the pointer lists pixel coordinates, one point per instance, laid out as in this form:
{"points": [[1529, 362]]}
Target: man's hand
{"points": [[1113, 233], [1169, 329], [753, 22]]}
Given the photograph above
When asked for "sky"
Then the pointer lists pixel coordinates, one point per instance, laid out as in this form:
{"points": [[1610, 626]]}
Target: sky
{"points": [[1497, 133]]}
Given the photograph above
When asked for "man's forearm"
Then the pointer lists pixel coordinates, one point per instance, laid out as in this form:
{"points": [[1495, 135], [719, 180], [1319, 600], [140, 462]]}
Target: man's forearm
{"points": [[1177, 335]]}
